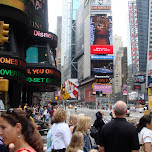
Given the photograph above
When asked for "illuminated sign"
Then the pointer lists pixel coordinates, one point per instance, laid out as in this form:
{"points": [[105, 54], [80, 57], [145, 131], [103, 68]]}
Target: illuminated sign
{"points": [[100, 7], [105, 88], [42, 34], [12, 61], [101, 57], [137, 87], [104, 49], [51, 81], [12, 73], [102, 80], [101, 39], [43, 71], [139, 79]]}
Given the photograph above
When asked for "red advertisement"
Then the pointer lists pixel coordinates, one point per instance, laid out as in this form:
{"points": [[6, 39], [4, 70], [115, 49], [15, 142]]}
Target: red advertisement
{"points": [[101, 49]]}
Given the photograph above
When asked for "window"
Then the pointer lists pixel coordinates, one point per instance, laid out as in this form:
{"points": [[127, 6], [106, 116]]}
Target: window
{"points": [[36, 55]]}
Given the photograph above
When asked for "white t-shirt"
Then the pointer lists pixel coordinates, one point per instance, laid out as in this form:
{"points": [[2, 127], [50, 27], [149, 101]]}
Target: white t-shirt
{"points": [[145, 135]]}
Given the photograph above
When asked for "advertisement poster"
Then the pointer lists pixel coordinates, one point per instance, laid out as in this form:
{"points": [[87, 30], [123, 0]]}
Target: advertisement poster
{"points": [[104, 88], [139, 79], [101, 65], [101, 34], [125, 90]]}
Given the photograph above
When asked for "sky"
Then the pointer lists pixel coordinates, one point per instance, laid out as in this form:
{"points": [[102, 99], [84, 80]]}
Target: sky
{"points": [[119, 13]]}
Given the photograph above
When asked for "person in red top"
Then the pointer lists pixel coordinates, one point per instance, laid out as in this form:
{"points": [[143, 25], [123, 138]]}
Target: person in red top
{"points": [[17, 127], [51, 112]]}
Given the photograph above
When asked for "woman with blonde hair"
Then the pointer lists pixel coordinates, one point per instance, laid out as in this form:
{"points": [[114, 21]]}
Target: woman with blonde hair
{"points": [[84, 124], [72, 122], [76, 143], [61, 134]]}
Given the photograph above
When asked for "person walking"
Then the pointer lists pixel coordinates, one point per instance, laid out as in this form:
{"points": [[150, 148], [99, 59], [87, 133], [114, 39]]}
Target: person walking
{"points": [[84, 123], [76, 143], [145, 133], [98, 124], [119, 135], [61, 134], [17, 127]]}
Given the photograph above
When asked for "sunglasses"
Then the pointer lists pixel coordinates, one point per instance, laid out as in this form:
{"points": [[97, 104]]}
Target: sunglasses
{"points": [[12, 112]]}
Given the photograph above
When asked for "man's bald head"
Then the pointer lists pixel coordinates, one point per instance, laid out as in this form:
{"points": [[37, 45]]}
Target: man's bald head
{"points": [[120, 108]]}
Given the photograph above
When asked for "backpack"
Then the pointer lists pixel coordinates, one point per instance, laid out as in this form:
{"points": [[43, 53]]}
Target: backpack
{"points": [[94, 132]]}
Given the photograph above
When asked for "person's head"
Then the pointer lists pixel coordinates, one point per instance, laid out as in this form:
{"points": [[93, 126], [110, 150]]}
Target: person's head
{"points": [[99, 115], [77, 142], [84, 124], [133, 121], [60, 115], [93, 150], [16, 125], [144, 121], [80, 115], [120, 109], [73, 120]]}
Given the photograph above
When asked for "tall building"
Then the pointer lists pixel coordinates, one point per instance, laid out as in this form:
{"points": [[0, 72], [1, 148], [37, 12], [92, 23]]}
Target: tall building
{"points": [[58, 52], [69, 63], [139, 19], [95, 58]]}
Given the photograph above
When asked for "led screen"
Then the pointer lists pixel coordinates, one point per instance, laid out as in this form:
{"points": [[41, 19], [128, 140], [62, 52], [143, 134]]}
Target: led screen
{"points": [[101, 34]]}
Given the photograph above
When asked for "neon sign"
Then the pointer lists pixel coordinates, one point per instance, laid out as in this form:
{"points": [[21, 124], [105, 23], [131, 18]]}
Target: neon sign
{"points": [[12, 61], [42, 34], [41, 71], [43, 80], [11, 73]]}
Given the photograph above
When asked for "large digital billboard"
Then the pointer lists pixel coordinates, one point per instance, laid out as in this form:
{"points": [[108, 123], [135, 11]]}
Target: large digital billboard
{"points": [[36, 10], [101, 65], [101, 34], [139, 79]]}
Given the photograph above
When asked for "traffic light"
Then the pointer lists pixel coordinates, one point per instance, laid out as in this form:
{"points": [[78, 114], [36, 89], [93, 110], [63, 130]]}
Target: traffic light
{"points": [[63, 90], [4, 31]]}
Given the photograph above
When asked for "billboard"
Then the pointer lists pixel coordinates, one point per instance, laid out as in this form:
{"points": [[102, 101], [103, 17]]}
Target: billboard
{"points": [[101, 65], [139, 79], [104, 88], [133, 96], [79, 47], [124, 89], [137, 87], [101, 34]]}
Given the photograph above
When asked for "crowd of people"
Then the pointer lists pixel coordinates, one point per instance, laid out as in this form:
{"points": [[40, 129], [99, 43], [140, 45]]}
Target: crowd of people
{"points": [[18, 131]]}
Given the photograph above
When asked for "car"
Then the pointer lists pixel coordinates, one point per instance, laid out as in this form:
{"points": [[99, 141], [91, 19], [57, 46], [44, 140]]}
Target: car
{"points": [[42, 126], [70, 106]]}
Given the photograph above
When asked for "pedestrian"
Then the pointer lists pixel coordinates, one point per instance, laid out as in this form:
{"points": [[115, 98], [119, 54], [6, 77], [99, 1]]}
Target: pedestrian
{"points": [[133, 121], [119, 135], [72, 122], [76, 143], [144, 129], [75, 107], [44, 113], [84, 123], [98, 124], [49, 138], [51, 112], [61, 134], [17, 127]]}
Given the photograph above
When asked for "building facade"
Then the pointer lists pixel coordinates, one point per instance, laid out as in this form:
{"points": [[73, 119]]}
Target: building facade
{"points": [[27, 60]]}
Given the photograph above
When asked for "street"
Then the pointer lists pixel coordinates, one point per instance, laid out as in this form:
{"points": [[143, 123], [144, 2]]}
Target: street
{"points": [[91, 113]]}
